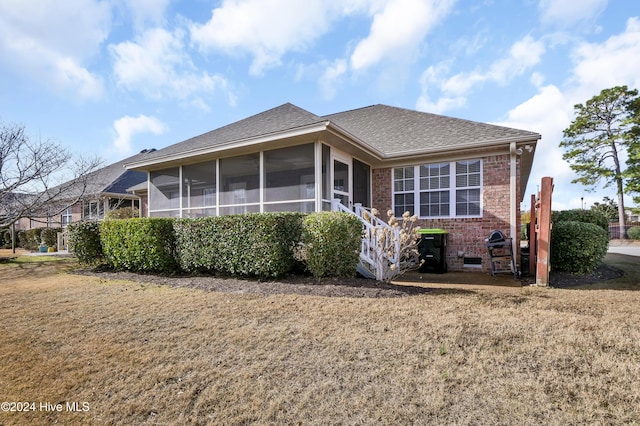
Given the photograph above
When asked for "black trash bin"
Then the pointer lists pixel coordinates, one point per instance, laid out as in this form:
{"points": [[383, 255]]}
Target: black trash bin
{"points": [[433, 250]]}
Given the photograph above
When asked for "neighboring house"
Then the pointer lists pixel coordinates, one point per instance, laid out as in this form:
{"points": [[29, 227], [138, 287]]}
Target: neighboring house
{"points": [[463, 176], [106, 190]]}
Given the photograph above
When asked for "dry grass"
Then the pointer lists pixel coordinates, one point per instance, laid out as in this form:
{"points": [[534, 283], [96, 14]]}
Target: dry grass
{"points": [[152, 354]]}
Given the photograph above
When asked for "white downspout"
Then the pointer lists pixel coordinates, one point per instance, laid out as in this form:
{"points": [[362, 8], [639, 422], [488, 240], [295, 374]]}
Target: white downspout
{"points": [[513, 196]]}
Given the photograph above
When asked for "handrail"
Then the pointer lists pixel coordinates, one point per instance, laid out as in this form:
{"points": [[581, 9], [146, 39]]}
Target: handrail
{"points": [[380, 247]]}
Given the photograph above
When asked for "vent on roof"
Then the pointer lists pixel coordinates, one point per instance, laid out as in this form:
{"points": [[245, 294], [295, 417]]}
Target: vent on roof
{"points": [[146, 151]]}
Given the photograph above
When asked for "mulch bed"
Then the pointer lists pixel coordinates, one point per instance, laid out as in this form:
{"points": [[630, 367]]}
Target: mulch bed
{"points": [[294, 284], [327, 287], [603, 272]]}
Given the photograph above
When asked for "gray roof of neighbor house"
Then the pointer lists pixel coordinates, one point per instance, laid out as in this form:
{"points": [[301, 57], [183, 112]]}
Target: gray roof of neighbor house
{"points": [[113, 179], [385, 132]]}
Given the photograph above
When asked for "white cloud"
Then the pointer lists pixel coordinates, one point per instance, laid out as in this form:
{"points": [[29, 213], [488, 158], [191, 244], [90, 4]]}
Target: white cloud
{"points": [[398, 29], [265, 29], [145, 13], [127, 127], [523, 55], [596, 66], [331, 77], [566, 14], [157, 65], [611, 63], [51, 42]]}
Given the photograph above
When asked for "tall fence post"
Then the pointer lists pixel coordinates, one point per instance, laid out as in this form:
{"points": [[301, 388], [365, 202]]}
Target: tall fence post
{"points": [[544, 233], [532, 237]]}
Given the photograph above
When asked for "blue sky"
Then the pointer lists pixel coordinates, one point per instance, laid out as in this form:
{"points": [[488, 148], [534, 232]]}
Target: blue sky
{"points": [[110, 78]]}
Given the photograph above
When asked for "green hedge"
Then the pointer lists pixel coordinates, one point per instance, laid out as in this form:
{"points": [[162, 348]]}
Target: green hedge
{"points": [[331, 244], [141, 245], [634, 232], [30, 239], [258, 245], [579, 215], [5, 238], [84, 242], [577, 247], [50, 236]]}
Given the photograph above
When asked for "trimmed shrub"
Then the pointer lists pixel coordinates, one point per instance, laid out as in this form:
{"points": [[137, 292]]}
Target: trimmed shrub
{"points": [[84, 242], [331, 244], [21, 238], [139, 245], [50, 236], [584, 216], [31, 239], [258, 245], [634, 232], [577, 247]]}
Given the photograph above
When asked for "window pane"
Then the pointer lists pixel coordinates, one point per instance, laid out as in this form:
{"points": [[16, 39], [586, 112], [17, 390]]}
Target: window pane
{"points": [[240, 179], [340, 176], [403, 203], [289, 173], [468, 173], [164, 190], [468, 202], [199, 185], [403, 179], [434, 204], [361, 183]]}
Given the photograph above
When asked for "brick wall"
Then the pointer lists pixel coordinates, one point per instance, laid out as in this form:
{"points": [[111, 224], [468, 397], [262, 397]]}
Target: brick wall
{"points": [[466, 235]]}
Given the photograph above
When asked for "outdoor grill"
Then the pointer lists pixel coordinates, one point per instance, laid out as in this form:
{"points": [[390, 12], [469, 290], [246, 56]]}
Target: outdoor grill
{"points": [[501, 254]]}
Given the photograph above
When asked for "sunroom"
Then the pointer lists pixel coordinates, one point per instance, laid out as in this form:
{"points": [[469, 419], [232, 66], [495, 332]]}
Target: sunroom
{"points": [[301, 177]]}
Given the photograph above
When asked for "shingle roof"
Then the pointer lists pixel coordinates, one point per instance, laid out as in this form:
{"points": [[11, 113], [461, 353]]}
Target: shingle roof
{"points": [[114, 178], [387, 131], [393, 131], [279, 119]]}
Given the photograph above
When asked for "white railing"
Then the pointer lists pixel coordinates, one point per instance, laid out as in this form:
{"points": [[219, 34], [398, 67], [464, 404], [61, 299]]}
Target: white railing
{"points": [[380, 249]]}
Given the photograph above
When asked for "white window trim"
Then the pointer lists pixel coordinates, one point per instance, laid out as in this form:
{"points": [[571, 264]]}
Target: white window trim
{"points": [[452, 190]]}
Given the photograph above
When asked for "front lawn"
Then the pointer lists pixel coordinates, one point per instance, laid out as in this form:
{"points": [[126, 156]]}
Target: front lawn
{"points": [[140, 353]]}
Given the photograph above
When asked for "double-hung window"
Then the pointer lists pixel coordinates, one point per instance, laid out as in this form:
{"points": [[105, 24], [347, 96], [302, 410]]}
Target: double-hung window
{"points": [[439, 190]]}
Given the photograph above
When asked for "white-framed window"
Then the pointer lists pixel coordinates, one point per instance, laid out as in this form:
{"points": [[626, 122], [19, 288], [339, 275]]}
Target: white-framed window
{"points": [[66, 217], [439, 190], [93, 209]]}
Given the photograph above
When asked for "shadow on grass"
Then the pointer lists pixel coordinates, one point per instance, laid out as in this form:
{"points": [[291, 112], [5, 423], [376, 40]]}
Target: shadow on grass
{"points": [[33, 267], [618, 272]]}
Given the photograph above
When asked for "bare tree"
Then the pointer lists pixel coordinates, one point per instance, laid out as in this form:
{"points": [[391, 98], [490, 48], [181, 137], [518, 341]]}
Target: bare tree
{"points": [[38, 178]]}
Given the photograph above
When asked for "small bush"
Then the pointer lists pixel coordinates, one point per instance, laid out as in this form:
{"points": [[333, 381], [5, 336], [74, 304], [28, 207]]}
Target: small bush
{"points": [[84, 242], [577, 247], [140, 245], [331, 244], [50, 236], [21, 238], [634, 232], [584, 216], [258, 245], [30, 239], [6, 236]]}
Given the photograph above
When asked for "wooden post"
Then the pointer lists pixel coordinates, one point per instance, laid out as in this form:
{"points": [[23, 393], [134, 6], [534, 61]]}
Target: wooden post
{"points": [[544, 233], [532, 237]]}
